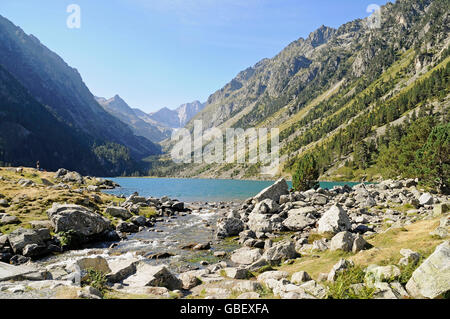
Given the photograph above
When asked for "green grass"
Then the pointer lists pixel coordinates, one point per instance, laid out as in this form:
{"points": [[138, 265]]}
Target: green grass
{"points": [[341, 287]]}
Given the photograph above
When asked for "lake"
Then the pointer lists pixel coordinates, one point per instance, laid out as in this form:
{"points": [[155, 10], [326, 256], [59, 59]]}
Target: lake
{"points": [[193, 190]]}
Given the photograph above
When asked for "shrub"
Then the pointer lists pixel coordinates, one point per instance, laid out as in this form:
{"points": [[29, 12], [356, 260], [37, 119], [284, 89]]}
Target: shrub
{"points": [[306, 173]]}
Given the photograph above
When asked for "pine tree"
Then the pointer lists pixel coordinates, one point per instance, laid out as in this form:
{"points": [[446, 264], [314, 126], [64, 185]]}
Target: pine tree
{"points": [[306, 173]]}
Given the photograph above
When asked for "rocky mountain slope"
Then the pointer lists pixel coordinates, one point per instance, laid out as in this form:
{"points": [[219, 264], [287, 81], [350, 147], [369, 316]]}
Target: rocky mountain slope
{"points": [[61, 89], [337, 88], [138, 121]]}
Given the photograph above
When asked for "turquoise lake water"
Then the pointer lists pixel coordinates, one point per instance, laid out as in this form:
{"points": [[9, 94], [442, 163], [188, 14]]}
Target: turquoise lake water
{"points": [[192, 190]]}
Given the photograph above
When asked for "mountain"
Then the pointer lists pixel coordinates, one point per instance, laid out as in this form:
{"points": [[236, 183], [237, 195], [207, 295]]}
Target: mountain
{"points": [[179, 117], [29, 132], [60, 88], [337, 89], [137, 120]]}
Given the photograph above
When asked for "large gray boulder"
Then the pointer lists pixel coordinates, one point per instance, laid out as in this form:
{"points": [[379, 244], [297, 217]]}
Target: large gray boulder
{"points": [[78, 219], [246, 255], [155, 276], [21, 237], [342, 241], [281, 251], [300, 218], [119, 212], [267, 206], [227, 227], [426, 199], [334, 220], [432, 278], [260, 223], [273, 192]]}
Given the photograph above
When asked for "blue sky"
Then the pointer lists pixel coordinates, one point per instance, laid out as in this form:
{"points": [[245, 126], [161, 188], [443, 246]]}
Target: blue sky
{"points": [[157, 53]]}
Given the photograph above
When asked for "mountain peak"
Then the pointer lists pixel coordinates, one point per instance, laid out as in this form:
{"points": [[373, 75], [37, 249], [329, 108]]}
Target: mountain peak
{"points": [[321, 35]]}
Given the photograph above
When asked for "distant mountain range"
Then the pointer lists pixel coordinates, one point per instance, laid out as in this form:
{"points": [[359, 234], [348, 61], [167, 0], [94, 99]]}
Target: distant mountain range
{"points": [[44, 78], [155, 126]]}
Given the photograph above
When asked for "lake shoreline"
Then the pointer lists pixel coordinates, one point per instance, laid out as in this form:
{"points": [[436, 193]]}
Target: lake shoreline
{"points": [[160, 247]]}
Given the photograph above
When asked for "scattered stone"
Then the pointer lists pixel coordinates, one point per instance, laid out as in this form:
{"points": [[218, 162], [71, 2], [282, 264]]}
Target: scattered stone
{"points": [[156, 276], [22, 237], [432, 278], [281, 251], [342, 241], [246, 255], [119, 212], [334, 220], [426, 199], [300, 277], [274, 191], [228, 227], [375, 273], [340, 266], [236, 273], [409, 256]]}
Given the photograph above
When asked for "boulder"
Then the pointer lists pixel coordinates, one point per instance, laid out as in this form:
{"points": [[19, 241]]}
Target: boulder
{"points": [[281, 251], [441, 209], [246, 255], [426, 199], [300, 218], [334, 220], [236, 273], [260, 223], [409, 256], [300, 277], [359, 243], [190, 279], [315, 289], [340, 266], [34, 250], [98, 264], [272, 275], [73, 177], [267, 206], [6, 219], [247, 285], [80, 220], [22, 237], [4, 202], [342, 241], [274, 191], [155, 276], [227, 227], [375, 273], [119, 212], [121, 269], [125, 227], [432, 278]]}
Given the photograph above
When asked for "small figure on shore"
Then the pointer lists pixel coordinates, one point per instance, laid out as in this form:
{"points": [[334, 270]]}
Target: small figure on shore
{"points": [[38, 164]]}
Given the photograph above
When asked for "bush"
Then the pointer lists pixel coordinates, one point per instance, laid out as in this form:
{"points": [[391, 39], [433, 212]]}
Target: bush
{"points": [[341, 287], [95, 279]]}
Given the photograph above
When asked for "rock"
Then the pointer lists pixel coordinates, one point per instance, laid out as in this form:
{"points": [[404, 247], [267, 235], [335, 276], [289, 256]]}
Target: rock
{"points": [[340, 266], [125, 227], [178, 206], [10, 272], [236, 273], [204, 246], [300, 277], [98, 264], [73, 177], [441, 209], [260, 223], [313, 288], [342, 241], [119, 212], [46, 182], [6, 219], [375, 273], [386, 290], [139, 220], [409, 256], [121, 269], [359, 243], [4, 203], [81, 221], [228, 227], [249, 295], [274, 191], [34, 250], [190, 279], [298, 219], [267, 206], [246, 255], [432, 278], [156, 276], [320, 245], [334, 220], [426, 199], [60, 173], [272, 275], [220, 254], [90, 292], [279, 252], [257, 265], [37, 224], [22, 237], [247, 285]]}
